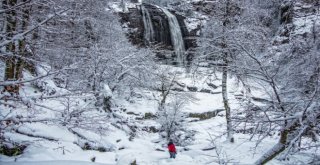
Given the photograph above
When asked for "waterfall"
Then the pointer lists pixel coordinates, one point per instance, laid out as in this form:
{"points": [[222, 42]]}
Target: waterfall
{"points": [[148, 28], [176, 36]]}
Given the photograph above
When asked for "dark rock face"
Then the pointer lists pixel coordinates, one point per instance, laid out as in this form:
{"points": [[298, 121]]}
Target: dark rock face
{"points": [[286, 12], [134, 21], [160, 25], [204, 6], [206, 115], [189, 40]]}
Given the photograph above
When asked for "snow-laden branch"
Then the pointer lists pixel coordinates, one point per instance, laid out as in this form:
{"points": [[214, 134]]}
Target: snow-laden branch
{"points": [[278, 148], [7, 83], [7, 103], [25, 120], [14, 7], [22, 35], [26, 59], [297, 116]]}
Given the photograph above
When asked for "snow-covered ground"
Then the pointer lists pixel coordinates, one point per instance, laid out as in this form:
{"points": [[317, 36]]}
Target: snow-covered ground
{"points": [[209, 147], [62, 148], [53, 163]]}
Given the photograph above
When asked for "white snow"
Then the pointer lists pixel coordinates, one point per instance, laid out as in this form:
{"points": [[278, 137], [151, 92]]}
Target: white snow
{"points": [[107, 91], [192, 23], [116, 6], [54, 163], [50, 131], [146, 148]]}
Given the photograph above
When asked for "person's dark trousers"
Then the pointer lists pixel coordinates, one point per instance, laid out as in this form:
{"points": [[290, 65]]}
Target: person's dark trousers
{"points": [[172, 155]]}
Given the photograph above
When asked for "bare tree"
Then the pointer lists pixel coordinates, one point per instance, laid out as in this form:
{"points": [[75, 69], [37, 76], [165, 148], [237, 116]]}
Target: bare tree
{"points": [[288, 73], [81, 56], [218, 49], [170, 113]]}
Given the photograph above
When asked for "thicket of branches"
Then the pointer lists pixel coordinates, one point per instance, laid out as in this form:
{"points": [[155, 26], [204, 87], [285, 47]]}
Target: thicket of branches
{"points": [[78, 47], [280, 58], [74, 53]]}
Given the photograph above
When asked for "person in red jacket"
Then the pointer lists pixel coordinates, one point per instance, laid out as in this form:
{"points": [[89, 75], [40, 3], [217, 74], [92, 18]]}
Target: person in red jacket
{"points": [[172, 150]]}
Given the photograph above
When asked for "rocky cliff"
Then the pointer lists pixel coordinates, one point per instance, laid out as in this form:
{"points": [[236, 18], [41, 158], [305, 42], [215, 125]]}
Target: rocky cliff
{"points": [[133, 20]]}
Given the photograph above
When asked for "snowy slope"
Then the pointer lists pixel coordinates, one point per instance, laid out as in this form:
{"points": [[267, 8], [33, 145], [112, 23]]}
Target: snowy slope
{"points": [[54, 163], [144, 148]]}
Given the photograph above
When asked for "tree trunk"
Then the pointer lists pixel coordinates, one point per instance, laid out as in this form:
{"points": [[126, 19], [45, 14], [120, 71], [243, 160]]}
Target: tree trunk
{"points": [[22, 43], [275, 150], [14, 63], [226, 101], [288, 133], [10, 31], [225, 74]]}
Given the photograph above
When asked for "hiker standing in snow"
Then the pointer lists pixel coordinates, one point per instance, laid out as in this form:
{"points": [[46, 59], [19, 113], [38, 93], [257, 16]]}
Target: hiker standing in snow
{"points": [[172, 149]]}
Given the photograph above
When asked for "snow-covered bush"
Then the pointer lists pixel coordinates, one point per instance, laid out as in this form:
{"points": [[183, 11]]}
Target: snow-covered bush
{"points": [[173, 123]]}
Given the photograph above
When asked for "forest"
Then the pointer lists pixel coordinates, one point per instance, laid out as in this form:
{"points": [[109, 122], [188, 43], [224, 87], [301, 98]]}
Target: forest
{"points": [[112, 82]]}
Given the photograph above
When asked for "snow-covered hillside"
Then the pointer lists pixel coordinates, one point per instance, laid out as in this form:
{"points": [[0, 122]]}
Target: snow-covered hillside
{"points": [[49, 143]]}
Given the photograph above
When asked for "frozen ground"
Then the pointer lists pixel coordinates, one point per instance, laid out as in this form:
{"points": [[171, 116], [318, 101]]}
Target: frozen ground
{"points": [[53, 163], [209, 148]]}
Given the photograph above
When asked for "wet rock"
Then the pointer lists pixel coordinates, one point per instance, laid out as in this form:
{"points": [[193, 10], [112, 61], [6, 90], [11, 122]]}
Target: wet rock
{"points": [[212, 85], [205, 91], [133, 20], [206, 115], [192, 89]]}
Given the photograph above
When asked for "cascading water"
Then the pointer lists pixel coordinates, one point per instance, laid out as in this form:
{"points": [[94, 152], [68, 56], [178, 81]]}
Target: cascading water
{"points": [[176, 36], [148, 27]]}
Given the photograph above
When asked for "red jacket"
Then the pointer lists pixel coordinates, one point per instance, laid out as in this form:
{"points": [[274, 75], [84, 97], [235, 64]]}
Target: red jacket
{"points": [[171, 148]]}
